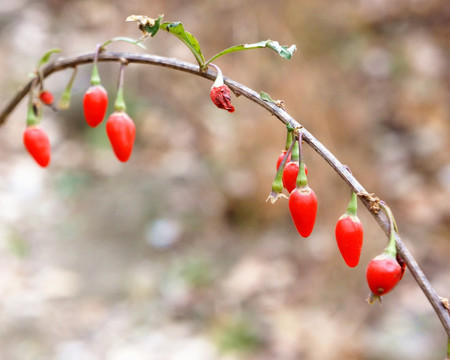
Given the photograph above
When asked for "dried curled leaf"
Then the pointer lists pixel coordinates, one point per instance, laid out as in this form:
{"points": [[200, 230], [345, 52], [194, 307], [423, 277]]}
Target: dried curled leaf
{"points": [[147, 24]]}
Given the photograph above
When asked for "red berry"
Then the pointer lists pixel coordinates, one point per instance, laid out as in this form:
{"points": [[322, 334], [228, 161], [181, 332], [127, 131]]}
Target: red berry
{"points": [[281, 157], [290, 174], [121, 133], [221, 96], [383, 273], [303, 208], [349, 238], [95, 102], [38, 145], [46, 97]]}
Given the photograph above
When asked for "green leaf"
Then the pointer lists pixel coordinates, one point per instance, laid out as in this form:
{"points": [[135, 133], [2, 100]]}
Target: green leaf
{"points": [[177, 29], [126, 39], [282, 50], [46, 57], [266, 97]]}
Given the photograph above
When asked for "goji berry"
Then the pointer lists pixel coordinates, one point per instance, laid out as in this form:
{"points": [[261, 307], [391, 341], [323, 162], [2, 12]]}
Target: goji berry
{"points": [[46, 97], [95, 102], [383, 274], [220, 93], [384, 271], [121, 133], [221, 97], [303, 209], [37, 143], [349, 234]]}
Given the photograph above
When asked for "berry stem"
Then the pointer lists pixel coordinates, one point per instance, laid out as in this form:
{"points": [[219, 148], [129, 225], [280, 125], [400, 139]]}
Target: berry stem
{"points": [[64, 102], [288, 139], [32, 118], [95, 77], [119, 104], [302, 180], [391, 248], [219, 78]]}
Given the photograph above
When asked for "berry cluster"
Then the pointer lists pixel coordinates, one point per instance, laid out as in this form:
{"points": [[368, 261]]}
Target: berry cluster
{"points": [[120, 129], [385, 270]]}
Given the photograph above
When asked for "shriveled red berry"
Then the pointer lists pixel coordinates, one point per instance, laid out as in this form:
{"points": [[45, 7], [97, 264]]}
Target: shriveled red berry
{"points": [[383, 273], [303, 209], [281, 157], [121, 132], [349, 238], [221, 97], [46, 97], [37, 143], [290, 174], [95, 102]]}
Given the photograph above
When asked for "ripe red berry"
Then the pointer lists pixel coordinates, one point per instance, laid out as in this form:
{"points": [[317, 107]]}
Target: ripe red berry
{"points": [[121, 133], [95, 102], [303, 209], [221, 97], [38, 145], [383, 273], [349, 238], [290, 174], [281, 157], [46, 97]]}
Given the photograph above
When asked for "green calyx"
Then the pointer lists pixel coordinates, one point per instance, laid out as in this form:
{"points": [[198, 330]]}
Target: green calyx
{"points": [[33, 117], [119, 104], [277, 184], [95, 77], [295, 152], [352, 205], [288, 139], [302, 180]]}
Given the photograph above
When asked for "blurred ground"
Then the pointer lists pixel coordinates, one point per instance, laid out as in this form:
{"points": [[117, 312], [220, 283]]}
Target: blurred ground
{"points": [[175, 254]]}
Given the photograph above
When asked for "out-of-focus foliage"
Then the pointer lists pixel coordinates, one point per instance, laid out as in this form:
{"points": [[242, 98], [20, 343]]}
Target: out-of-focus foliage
{"points": [[175, 254]]}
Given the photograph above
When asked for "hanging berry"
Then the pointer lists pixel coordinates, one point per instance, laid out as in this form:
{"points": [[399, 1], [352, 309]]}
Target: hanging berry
{"points": [[35, 138], [277, 184], [120, 128], [95, 100], [46, 97], [349, 234], [221, 93], [384, 271], [303, 200]]}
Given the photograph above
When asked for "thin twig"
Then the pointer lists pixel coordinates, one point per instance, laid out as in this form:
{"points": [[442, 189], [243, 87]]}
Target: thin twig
{"points": [[283, 116]]}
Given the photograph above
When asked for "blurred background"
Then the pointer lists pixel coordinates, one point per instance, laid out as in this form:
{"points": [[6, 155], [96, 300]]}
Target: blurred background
{"points": [[175, 254]]}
